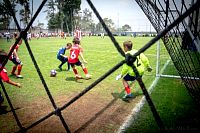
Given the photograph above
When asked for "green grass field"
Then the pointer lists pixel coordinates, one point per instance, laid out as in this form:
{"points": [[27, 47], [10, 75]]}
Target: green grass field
{"points": [[101, 56]]}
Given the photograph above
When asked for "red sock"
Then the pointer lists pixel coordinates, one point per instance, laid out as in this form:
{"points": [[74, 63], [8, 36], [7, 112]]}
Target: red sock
{"points": [[85, 70], [13, 70], [128, 90], [75, 71], [19, 68]]}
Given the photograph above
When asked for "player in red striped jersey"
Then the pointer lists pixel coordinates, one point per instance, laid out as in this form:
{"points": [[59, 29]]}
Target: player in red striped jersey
{"points": [[15, 59], [78, 33], [73, 59]]}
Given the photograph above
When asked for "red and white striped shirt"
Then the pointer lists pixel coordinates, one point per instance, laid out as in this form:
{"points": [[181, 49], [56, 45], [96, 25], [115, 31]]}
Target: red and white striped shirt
{"points": [[77, 34]]}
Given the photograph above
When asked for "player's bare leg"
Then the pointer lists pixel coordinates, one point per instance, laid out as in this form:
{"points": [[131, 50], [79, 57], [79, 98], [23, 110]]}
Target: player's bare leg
{"points": [[77, 76], [87, 75]]}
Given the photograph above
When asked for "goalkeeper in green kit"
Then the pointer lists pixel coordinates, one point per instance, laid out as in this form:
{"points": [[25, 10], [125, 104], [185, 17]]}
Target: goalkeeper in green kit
{"points": [[127, 74]]}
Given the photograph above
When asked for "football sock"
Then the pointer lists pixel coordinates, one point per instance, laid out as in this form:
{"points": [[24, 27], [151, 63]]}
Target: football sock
{"points": [[128, 90], [85, 70], [61, 64], [68, 65], [75, 71], [13, 70], [19, 68]]}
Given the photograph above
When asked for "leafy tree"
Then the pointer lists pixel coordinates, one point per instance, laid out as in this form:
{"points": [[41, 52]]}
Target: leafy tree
{"points": [[87, 21], [55, 22], [64, 19], [5, 14], [70, 9], [126, 27], [25, 12], [51, 8], [108, 22]]}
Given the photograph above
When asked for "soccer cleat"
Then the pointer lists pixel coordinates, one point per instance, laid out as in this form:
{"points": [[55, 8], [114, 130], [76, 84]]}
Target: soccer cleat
{"points": [[88, 76], [19, 76], [128, 96], [78, 76], [60, 68]]}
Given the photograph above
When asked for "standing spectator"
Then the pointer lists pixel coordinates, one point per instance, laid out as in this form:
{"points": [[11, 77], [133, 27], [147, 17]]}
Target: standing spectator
{"points": [[102, 35], [29, 36], [8, 36]]}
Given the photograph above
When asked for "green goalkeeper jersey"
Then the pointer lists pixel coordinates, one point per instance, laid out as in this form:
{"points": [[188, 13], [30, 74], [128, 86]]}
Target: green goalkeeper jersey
{"points": [[141, 63]]}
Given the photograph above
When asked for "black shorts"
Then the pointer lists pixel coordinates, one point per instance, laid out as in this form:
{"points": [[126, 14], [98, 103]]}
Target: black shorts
{"points": [[14, 60], [77, 64], [129, 78], [62, 59]]}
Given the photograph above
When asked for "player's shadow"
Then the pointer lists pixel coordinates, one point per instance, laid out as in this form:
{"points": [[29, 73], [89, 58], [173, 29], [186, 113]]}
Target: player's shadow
{"points": [[12, 76], [63, 70], [3, 109], [73, 79], [116, 96], [121, 94]]}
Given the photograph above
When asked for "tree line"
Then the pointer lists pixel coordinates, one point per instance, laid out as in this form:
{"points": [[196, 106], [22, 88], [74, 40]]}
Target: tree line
{"points": [[62, 15]]}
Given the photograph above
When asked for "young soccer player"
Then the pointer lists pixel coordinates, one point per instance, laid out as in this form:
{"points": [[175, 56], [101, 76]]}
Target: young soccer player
{"points": [[16, 61], [61, 56], [4, 76], [73, 59], [3, 73], [141, 63]]}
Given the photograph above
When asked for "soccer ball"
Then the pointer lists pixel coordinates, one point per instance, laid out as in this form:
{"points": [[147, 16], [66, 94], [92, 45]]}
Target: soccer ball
{"points": [[53, 73]]}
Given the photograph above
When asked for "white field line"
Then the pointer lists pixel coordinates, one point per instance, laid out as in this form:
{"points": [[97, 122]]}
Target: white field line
{"points": [[133, 116]]}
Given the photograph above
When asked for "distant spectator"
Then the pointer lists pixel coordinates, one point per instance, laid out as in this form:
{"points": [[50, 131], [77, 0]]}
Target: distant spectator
{"points": [[8, 36], [102, 35]]}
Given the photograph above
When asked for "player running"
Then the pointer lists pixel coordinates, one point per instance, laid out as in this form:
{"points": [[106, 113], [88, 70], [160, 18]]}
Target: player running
{"points": [[16, 61], [73, 59], [61, 56], [141, 63]]}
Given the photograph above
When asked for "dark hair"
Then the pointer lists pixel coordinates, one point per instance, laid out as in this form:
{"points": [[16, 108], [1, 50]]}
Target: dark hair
{"points": [[128, 44], [69, 44], [76, 40]]}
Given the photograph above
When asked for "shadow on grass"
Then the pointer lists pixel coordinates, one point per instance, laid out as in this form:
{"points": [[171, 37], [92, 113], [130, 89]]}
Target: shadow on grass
{"points": [[121, 94], [3, 110], [63, 70], [116, 96], [73, 79]]}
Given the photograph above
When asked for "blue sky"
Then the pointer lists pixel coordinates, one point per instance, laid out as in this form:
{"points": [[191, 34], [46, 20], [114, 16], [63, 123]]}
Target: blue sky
{"points": [[120, 11]]}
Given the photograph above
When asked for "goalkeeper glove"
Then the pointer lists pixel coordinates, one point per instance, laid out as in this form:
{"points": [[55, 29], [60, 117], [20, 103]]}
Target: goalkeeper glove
{"points": [[118, 77]]}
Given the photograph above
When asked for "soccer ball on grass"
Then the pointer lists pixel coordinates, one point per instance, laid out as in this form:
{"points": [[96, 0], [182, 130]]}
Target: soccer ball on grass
{"points": [[53, 73]]}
